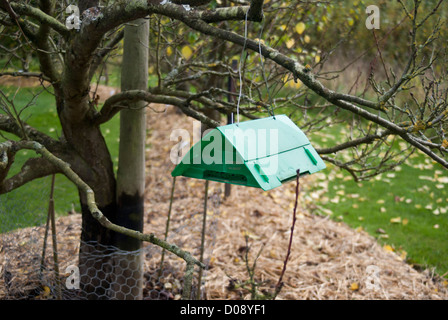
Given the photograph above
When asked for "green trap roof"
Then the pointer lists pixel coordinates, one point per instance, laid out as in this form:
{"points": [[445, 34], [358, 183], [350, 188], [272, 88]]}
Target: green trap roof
{"points": [[261, 153]]}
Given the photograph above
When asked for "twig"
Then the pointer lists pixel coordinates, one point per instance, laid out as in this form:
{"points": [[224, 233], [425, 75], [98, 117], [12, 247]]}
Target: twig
{"points": [[279, 285], [10, 10], [167, 228], [44, 246], [54, 240], [201, 259]]}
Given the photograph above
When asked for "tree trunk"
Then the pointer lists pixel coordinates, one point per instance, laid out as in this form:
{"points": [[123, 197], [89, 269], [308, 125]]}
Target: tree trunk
{"points": [[96, 241], [131, 167]]}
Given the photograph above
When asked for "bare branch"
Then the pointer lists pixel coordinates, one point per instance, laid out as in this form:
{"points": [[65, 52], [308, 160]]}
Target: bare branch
{"points": [[103, 52], [43, 18], [118, 101], [32, 169], [39, 75], [64, 168], [353, 143], [8, 124]]}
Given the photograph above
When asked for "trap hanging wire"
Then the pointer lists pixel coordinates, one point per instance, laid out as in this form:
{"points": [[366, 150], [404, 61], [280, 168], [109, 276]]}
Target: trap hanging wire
{"points": [[262, 153], [242, 58]]}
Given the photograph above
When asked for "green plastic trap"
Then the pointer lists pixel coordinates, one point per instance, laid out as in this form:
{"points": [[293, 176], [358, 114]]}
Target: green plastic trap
{"points": [[261, 153]]}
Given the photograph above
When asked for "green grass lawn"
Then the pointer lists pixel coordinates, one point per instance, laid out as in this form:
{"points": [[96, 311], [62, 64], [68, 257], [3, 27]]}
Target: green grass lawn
{"points": [[27, 206], [405, 209]]}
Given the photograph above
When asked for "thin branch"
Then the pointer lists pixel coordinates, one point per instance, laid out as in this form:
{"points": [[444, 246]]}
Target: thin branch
{"points": [[64, 168], [7, 6], [103, 52], [279, 285], [39, 75], [353, 143], [119, 101], [9, 125], [33, 168], [42, 17]]}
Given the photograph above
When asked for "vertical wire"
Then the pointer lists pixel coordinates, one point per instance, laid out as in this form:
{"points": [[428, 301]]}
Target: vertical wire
{"points": [[239, 70], [271, 102]]}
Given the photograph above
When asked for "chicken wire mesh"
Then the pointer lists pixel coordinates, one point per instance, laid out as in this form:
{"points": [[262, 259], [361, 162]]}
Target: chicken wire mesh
{"points": [[29, 268]]}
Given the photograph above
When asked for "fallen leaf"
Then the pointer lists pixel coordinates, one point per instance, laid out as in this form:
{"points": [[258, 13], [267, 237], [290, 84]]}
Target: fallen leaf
{"points": [[46, 293], [250, 235], [403, 255], [388, 248], [405, 221], [354, 286], [335, 199], [257, 213], [395, 220], [443, 180], [379, 230], [426, 178]]}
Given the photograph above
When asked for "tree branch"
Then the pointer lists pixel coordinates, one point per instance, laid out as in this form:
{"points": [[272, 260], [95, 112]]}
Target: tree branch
{"points": [[118, 101], [253, 12], [64, 168], [39, 15], [353, 143], [8, 124], [39, 75], [7, 6], [297, 69], [343, 101], [33, 168], [103, 52]]}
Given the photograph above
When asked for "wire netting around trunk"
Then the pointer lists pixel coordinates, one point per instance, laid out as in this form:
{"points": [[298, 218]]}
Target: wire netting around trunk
{"points": [[23, 276]]}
